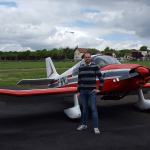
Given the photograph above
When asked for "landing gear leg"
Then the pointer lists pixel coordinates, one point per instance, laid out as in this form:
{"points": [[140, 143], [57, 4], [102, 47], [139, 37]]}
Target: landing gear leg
{"points": [[142, 103], [74, 112]]}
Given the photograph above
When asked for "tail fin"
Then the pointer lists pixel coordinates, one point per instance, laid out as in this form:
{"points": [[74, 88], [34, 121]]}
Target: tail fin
{"points": [[51, 71]]}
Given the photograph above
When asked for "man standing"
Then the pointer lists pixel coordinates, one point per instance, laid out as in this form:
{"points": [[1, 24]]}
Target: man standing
{"points": [[87, 91]]}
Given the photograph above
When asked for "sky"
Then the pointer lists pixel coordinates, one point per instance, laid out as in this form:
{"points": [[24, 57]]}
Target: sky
{"points": [[47, 24]]}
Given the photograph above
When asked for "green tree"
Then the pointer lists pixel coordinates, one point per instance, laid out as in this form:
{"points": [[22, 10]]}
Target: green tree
{"points": [[106, 49], [60, 53], [112, 50], [103, 52], [71, 54], [124, 51], [66, 51], [143, 48], [92, 49], [53, 52], [1, 53], [26, 53]]}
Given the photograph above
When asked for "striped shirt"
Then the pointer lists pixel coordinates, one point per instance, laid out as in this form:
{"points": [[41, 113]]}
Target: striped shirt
{"points": [[87, 77]]}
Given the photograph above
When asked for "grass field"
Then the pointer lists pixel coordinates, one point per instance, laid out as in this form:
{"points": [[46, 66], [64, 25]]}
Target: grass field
{"points": [[11, 79], [41, 65], [32, 65], [143, 63]]}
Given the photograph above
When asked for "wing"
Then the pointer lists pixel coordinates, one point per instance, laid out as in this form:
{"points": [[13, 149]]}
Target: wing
{"points": [[23, 93]]}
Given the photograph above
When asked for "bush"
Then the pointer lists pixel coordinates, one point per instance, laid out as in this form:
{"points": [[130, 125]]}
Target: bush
{"points": [[19, 57], [12, 57], [62, 57], [32, 57], [2, 58], [55, 57], [24, 57], [8, 58], [38, 57]]}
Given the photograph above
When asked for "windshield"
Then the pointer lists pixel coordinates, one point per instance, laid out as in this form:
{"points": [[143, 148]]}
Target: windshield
{"points": [[99, 60], [103, 60]]}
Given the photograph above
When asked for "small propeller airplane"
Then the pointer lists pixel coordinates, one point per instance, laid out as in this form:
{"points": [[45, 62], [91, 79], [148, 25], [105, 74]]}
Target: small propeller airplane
{"points": [[120, 80]]}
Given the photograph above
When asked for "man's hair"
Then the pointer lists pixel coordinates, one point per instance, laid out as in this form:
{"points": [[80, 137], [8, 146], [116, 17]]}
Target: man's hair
{"points": [[85, 54]]}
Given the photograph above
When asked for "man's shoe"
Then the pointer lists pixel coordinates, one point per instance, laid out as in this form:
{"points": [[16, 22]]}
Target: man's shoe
{"points": [[82, 127], [96, 131]]}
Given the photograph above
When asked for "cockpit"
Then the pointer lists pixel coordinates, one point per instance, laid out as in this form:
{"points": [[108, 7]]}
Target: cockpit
{"points": [[103, 60], [99, 60]]}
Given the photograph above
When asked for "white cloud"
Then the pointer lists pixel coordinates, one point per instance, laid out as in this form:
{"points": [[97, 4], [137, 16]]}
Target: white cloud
{"points": [[40, 24], [13, 47]]}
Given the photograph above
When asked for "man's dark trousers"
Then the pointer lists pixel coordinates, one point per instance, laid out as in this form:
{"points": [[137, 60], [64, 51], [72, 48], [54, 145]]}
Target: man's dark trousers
{"points": [[89, 95]]}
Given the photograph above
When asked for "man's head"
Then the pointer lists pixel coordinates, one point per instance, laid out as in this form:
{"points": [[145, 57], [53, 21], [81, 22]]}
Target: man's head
{"points": [[87, 58]]}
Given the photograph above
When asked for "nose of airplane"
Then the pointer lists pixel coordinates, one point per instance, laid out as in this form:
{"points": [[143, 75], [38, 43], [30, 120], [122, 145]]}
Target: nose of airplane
{"points": [[143, 72]]}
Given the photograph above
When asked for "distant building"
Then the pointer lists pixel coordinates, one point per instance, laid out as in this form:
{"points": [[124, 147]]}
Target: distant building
{"points": [[92, 53], [128, 56], [144, 53], [148, 55], [111, 54], [137, 54], [79, 53]]}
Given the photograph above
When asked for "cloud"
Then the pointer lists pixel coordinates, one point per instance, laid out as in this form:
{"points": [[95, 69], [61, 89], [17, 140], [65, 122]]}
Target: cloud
{"points": [[13, 47], [40, 24]]}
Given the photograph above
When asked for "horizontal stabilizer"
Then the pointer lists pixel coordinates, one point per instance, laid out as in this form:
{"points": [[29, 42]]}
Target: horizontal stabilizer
{"points": [[35, 81]]}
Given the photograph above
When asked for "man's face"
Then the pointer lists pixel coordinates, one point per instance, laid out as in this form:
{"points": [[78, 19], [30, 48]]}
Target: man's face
{"points": [[87, 58]]}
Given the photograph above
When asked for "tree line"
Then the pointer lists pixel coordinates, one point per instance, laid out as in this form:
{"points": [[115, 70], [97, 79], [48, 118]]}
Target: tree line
{"points": [[121, 53], [58, 54]]}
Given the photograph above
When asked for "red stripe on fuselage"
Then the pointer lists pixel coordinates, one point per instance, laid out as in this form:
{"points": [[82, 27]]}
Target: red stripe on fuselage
{"points": [[55, 81], [69, 76]]}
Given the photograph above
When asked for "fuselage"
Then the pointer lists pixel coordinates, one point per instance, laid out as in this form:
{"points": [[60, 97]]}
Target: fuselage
{"points": [[109, 72]]}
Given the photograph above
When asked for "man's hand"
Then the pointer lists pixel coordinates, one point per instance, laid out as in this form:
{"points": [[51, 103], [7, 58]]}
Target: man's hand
{"points": [[78, 95], [96, 91]]}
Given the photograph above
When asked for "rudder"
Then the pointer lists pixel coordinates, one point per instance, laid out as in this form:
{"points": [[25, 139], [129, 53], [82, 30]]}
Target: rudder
{"points": [[51, 71]]}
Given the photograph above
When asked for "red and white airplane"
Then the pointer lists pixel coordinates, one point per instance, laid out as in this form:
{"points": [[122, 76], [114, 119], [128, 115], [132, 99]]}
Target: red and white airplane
{"points": [[120, 80]]}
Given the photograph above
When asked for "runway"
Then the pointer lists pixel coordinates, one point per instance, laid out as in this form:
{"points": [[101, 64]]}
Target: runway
{"points": [[45, 126]]}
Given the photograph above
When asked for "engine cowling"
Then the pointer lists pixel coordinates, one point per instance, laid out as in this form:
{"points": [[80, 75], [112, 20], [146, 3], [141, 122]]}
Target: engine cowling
{"points": [[143, 72]]}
